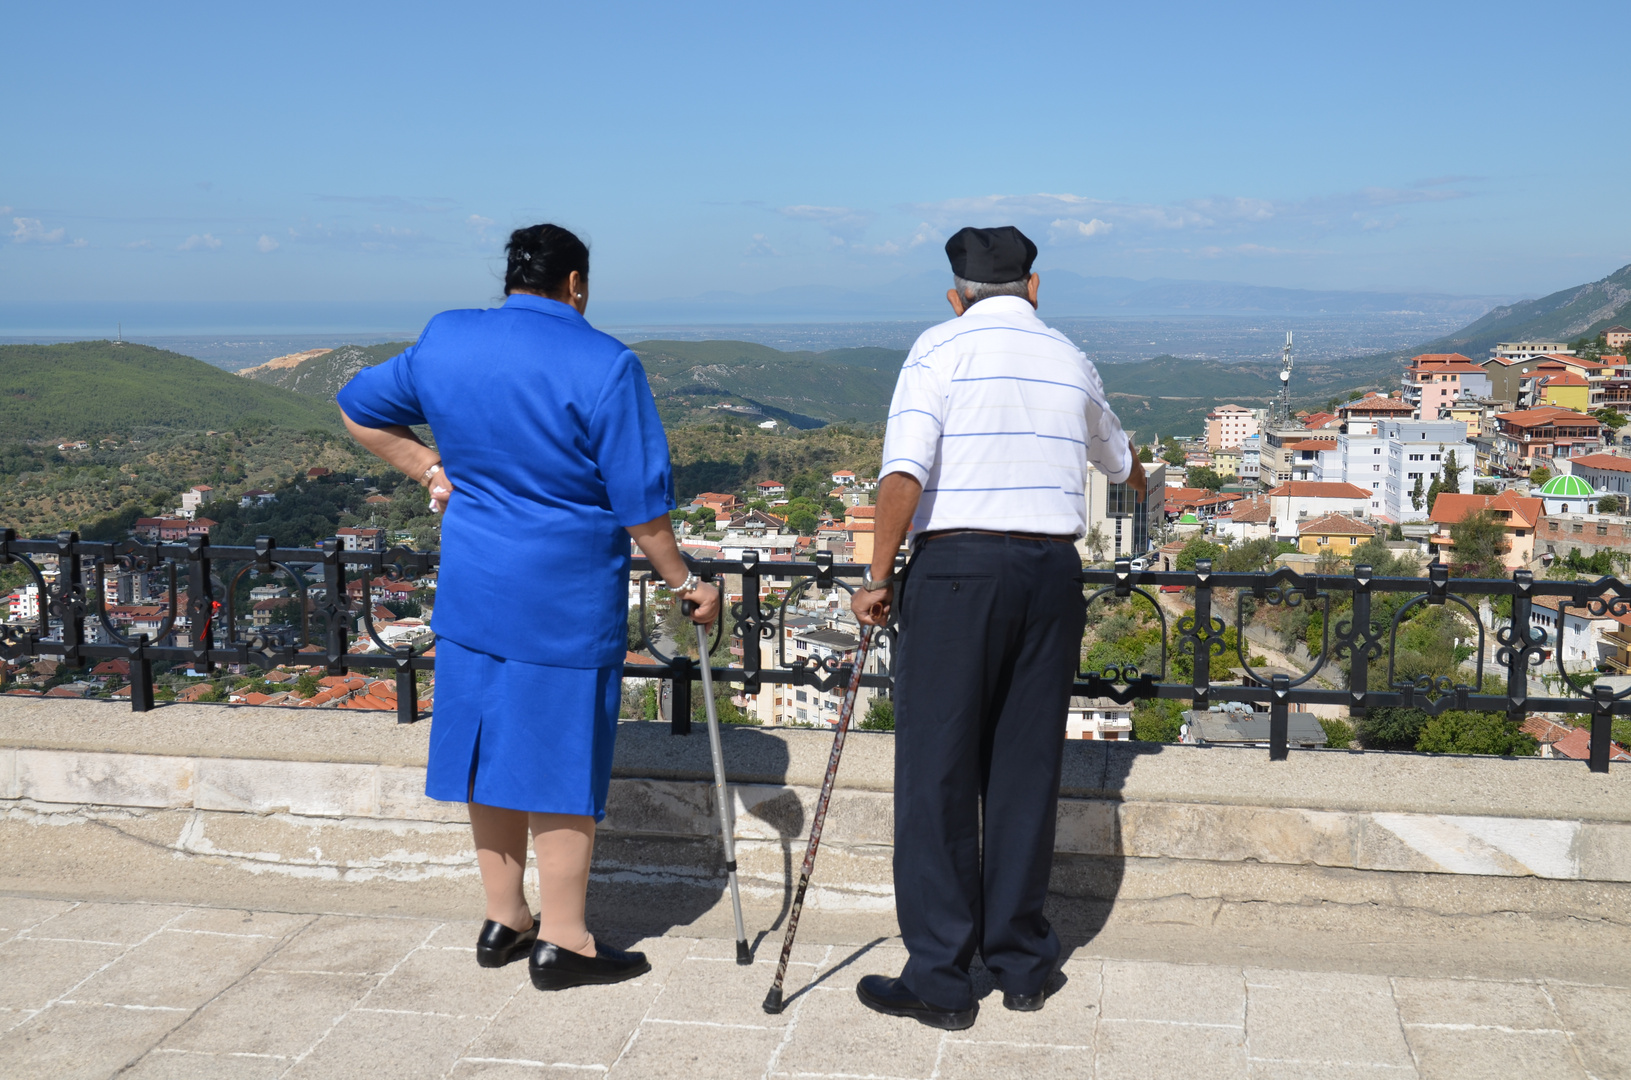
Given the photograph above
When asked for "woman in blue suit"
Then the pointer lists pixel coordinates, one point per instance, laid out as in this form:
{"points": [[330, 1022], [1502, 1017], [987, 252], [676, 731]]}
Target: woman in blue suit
{"points": [[549, 457]]}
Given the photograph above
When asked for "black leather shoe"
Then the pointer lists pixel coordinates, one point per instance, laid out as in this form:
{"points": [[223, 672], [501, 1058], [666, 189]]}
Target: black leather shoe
{"points": [[882, 994], [1024, 1002], [498, 945], [555, 968]]}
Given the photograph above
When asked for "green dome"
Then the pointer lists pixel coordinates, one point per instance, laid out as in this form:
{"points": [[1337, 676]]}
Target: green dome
{"points": [[1189, 519], [1568, 485]]}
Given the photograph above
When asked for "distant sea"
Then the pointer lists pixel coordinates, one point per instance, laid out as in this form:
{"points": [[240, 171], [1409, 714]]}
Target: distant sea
{"points": [[239, 335]]}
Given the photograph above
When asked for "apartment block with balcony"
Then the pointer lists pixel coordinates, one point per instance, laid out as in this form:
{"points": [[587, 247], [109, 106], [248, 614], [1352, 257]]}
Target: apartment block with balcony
{"points": [[1543, 436], [1434, 382], [1388, 458], [1228, 425]]}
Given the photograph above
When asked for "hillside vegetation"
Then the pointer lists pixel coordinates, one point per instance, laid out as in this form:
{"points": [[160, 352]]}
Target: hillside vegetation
{"points": [[93, 389], [851, 385], [323, 376], [1581, 311]]}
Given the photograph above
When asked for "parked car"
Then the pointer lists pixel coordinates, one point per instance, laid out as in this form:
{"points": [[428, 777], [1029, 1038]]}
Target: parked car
{"points": [[1172, 588]]}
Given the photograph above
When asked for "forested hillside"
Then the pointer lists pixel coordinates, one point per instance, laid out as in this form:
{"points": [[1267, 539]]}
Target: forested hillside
{"points": [[323, 376], [90, 390]]}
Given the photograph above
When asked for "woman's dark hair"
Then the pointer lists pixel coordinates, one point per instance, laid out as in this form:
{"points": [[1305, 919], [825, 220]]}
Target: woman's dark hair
{"points": [[541, 258]]}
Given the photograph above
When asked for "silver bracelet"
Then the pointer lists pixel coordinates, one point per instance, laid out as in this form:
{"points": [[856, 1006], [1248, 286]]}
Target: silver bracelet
{"points": [[688, 585]]}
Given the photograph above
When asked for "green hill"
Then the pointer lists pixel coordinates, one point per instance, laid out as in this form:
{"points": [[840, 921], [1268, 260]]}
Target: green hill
{"points": [[323, 376], [1581, 311], [851, 385], [92, 389]]}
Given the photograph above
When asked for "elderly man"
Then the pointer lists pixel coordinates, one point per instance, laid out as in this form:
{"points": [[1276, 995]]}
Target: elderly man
{"points": [[995, 421]]}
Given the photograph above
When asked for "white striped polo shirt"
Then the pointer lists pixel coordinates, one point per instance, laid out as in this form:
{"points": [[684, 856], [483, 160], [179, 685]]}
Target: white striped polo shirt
{"points": [[998, 417]]}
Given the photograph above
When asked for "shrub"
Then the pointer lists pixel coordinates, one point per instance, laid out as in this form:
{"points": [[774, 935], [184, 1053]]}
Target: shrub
{"points": [[1339, 734], [1456, 732], [880, 715], [1157, 720]]}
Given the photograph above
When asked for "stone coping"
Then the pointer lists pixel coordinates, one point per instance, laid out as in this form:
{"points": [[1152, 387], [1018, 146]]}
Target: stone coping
{"points": [[1144, 772]]}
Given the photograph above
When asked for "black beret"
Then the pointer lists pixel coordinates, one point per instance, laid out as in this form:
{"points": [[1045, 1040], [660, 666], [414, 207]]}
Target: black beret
{"points": [[992, 256]]}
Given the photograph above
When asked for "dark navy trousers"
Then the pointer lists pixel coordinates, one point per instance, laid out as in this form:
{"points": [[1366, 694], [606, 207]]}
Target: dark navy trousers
{"points": [[990, 639]]}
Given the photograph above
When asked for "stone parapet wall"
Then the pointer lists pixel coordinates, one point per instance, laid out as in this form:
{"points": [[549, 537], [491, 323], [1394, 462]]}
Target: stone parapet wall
{"points": [[268, 792]]}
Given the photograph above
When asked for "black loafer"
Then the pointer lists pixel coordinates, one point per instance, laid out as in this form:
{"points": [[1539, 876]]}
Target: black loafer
{"points": [[882, 994], [1025, 1002], [498, 945], [555, 968]]}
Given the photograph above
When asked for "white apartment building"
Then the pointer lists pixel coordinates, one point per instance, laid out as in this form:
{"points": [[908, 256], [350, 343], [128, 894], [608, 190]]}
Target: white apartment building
{"points": [[1228, 425], [23, 604], [1127, 525], [1527, 350], [810, 640], [1251, 449], [1386, 457]]}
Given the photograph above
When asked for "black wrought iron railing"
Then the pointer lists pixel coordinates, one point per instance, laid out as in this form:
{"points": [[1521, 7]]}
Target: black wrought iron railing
{"points": [[207, 632]]}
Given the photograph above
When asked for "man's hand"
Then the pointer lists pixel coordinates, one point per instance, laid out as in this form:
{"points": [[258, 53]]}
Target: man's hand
{"points": [[871, 606], [1136, 479]]}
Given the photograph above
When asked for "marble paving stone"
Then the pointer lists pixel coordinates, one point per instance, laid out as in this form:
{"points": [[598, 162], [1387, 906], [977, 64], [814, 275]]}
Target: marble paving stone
{"points": [[1010, 1061], [460, 934], [693, 1051], [342, 945], [36, 972], [479, 1069], [20, 912], [120, 924], [400, 1046], [1066, 1019], [1523, 1006], [587, 1025], [1597, 1017], [718, 992], [1310, 1070], [769, 951], [1449, 1054], [271, 1013], [835, 1031], [81, 1042], [175, 970], [274, 924], [1134, 1050], [1318, 982], [1301, 1025], [448, 981], [1174, 993], [167, 1065]]}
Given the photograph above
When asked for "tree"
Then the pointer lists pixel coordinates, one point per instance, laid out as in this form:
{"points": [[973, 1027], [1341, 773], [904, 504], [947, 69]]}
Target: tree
{"points": [[1205, 477], [1172, 453], [1479, 544], [1610, 417], [1146, 455], [1433, 491], [1415, 493], [1096, 542], [1484, 489], [1539, 475], [1452, 473], [1610, 504], [1197, 548], [1157, 720], [1390, 729], [1458, 732], [880, 715], [1395, 531], [307, 684]]}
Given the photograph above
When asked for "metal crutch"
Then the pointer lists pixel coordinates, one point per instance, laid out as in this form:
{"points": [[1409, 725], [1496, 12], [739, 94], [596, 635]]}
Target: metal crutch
{"points": [[721, 794]]}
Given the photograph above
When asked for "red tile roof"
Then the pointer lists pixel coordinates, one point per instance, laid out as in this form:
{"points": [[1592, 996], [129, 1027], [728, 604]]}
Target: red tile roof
{"points": [[1606, 462], [1545, 414], [1441, 358], [1313, 444], [1450, 507], [1335, 525], [1319, 489]]}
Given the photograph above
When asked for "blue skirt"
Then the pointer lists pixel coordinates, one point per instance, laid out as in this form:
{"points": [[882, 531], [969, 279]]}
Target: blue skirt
{"points": [[522, 736]]}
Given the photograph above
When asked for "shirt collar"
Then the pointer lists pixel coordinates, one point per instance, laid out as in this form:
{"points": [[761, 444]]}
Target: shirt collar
{"points": [[544, 306], [1002, 305]]}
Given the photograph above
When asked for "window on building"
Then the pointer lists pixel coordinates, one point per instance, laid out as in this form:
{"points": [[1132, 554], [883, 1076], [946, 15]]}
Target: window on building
{"points": [[1378, 450], [1322, 541], [1579, 527], [801, 696], [1432, 457], [1552, 525]]}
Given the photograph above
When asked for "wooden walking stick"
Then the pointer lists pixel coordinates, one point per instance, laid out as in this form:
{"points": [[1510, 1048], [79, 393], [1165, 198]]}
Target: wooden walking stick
{"points": [[773, 1000]]}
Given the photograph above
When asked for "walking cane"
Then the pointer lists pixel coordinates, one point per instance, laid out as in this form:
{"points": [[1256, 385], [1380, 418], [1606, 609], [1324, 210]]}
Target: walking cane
{"points": [[773, 1000], [743, 954]]}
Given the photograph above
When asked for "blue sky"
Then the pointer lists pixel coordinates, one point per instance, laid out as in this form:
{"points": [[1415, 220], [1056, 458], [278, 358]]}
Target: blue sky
{"points": [[380, 152]]}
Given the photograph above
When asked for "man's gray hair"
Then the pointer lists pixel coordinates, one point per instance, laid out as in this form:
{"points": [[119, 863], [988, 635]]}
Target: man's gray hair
{"points": [[975, 291]]}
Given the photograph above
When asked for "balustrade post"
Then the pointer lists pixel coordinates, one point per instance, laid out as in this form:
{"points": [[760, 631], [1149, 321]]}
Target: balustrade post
{"points": [[1201, 683], [141, 678], [201, 603], [679, 710], [407, 692], [751, 616], [336, 623], [1517, 661], [1359, 647], [1279, 718], [1602, 727], [70, 599]]}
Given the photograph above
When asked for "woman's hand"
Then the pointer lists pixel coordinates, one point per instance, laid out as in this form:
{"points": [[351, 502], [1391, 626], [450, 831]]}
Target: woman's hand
{"points": [[706, 599], [441, 490]]}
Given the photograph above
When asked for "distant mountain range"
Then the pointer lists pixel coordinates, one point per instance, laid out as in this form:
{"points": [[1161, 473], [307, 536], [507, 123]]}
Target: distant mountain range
{"points": [[322, 372], [923, 296], [1583, 311]]}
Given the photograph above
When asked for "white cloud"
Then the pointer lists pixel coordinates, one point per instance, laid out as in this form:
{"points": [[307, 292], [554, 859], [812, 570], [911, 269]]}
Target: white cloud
{"points": [[1065, 230], [476, 221], [197, 242], [843, 222], [143, 244], [760, 248], [80, 241], [28, 230], [266, 243]]}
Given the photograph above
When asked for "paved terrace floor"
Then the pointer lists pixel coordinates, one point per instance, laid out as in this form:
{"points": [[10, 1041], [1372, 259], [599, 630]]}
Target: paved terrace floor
{"points": [[138, 990]]}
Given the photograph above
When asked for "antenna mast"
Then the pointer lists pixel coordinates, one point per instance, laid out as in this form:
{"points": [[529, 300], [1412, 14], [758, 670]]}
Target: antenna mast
{"points": [[1285, 380]]}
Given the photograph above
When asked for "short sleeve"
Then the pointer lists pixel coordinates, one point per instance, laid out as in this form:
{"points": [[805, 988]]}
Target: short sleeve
{"points": [[917, 416], [384, 395], [627, 443], [1107, 443]]}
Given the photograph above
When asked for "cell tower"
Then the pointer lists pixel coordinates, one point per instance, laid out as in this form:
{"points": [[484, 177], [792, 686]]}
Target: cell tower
{"points": [[1285, 380]]}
